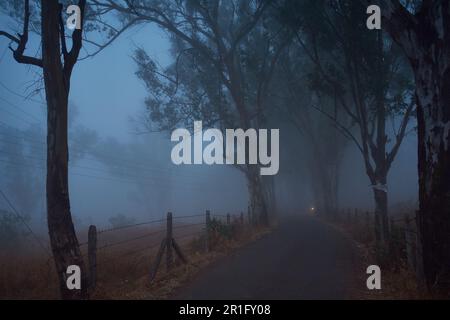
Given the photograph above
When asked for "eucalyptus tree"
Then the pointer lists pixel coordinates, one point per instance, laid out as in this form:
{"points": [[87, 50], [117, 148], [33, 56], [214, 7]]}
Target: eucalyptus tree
{"points": [[370, 81], [56, 62], [230, 49], [300, 101], [422, 30]]}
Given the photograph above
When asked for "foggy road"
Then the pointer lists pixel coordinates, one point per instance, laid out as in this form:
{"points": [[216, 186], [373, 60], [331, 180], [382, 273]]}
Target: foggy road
{"points": [[302, 259]]}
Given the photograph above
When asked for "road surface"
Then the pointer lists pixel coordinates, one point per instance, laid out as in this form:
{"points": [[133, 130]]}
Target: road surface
{"points": [[302, 259]]}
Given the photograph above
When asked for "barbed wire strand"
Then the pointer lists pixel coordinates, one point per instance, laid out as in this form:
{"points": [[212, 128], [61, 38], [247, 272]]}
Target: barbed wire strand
{"points": [[130, 240], [188, 225], [130, 226], [186, 217], [127, 254]]}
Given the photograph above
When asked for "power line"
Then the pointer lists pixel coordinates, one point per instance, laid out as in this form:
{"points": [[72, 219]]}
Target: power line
{"points": [[125, 163], [16, 116], [131, 176], [129, 163], [99, 154], [129, 181], [20, 95], [3, 54], [21, 110], [24, 222]]}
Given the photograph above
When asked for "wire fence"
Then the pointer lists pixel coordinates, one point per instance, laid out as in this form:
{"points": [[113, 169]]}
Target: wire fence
{"points": [[173, 237], [403, 243], [130, 226]]}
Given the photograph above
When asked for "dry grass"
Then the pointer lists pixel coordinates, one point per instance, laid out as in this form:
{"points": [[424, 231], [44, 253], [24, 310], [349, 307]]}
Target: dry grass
{"points": [[123, 270], [398, 281], [28, 276]]}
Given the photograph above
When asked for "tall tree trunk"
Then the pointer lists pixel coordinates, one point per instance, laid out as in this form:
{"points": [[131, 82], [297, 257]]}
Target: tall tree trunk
{"points": [[381, 216], [379, 153], [258, 201], [271, 201], [425, 38], [62, 234], [433, 117]]}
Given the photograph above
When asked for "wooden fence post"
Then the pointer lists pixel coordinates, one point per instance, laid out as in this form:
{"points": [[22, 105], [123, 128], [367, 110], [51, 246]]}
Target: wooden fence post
{"points": [[207, 225], [169, 257], [159, 255], [349, 218], [167, 244], [356, 216], [242, 218], [228, 219], [92, 255], [410, 245], [249, 217]]}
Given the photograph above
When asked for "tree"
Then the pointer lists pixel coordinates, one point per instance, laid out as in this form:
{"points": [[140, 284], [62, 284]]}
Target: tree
{"points": [[299, 100], [57, 63], [217, 35], [423, 31], [371, 83]]}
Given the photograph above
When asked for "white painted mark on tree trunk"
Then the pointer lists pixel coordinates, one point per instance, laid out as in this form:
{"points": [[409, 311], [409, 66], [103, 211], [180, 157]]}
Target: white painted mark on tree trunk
{"points": [[380, 187]]}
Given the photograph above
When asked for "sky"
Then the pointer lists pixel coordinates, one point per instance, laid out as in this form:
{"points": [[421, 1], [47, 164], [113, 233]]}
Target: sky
{"points": [[106, 95]]}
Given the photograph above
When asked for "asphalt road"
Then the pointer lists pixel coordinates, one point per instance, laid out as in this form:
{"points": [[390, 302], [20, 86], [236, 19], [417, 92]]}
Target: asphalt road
{"points": [[302, 259]]}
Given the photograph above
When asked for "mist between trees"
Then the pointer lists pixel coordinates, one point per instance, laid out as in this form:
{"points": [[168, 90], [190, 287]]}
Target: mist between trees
{"points": [[344, 98]]}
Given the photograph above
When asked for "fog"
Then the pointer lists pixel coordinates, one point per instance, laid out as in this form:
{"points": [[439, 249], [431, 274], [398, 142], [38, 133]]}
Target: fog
{"points": [[116, 167]]}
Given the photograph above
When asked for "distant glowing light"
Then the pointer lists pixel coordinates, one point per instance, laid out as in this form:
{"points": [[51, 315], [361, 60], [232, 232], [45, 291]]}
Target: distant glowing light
{"points": [[312, 209]]}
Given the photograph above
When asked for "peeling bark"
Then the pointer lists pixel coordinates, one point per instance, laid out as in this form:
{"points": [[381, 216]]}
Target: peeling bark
{"points": [[425, 38], [433, 114]]}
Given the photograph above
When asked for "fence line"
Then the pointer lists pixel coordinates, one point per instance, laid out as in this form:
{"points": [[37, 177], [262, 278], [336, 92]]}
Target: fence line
{"points": [[403, 241], [186, 217], [130, 240], [168, 245], [124, 254], [183, 226], [131, 226]]}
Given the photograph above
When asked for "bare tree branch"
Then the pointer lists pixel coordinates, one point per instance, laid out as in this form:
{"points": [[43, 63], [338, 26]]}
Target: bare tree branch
{"points": [[77, 41], [22, 41], [401, 134]]}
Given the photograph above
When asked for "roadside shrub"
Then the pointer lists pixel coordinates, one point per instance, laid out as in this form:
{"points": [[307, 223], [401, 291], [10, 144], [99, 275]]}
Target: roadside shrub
{"points": [[220, 229]]}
